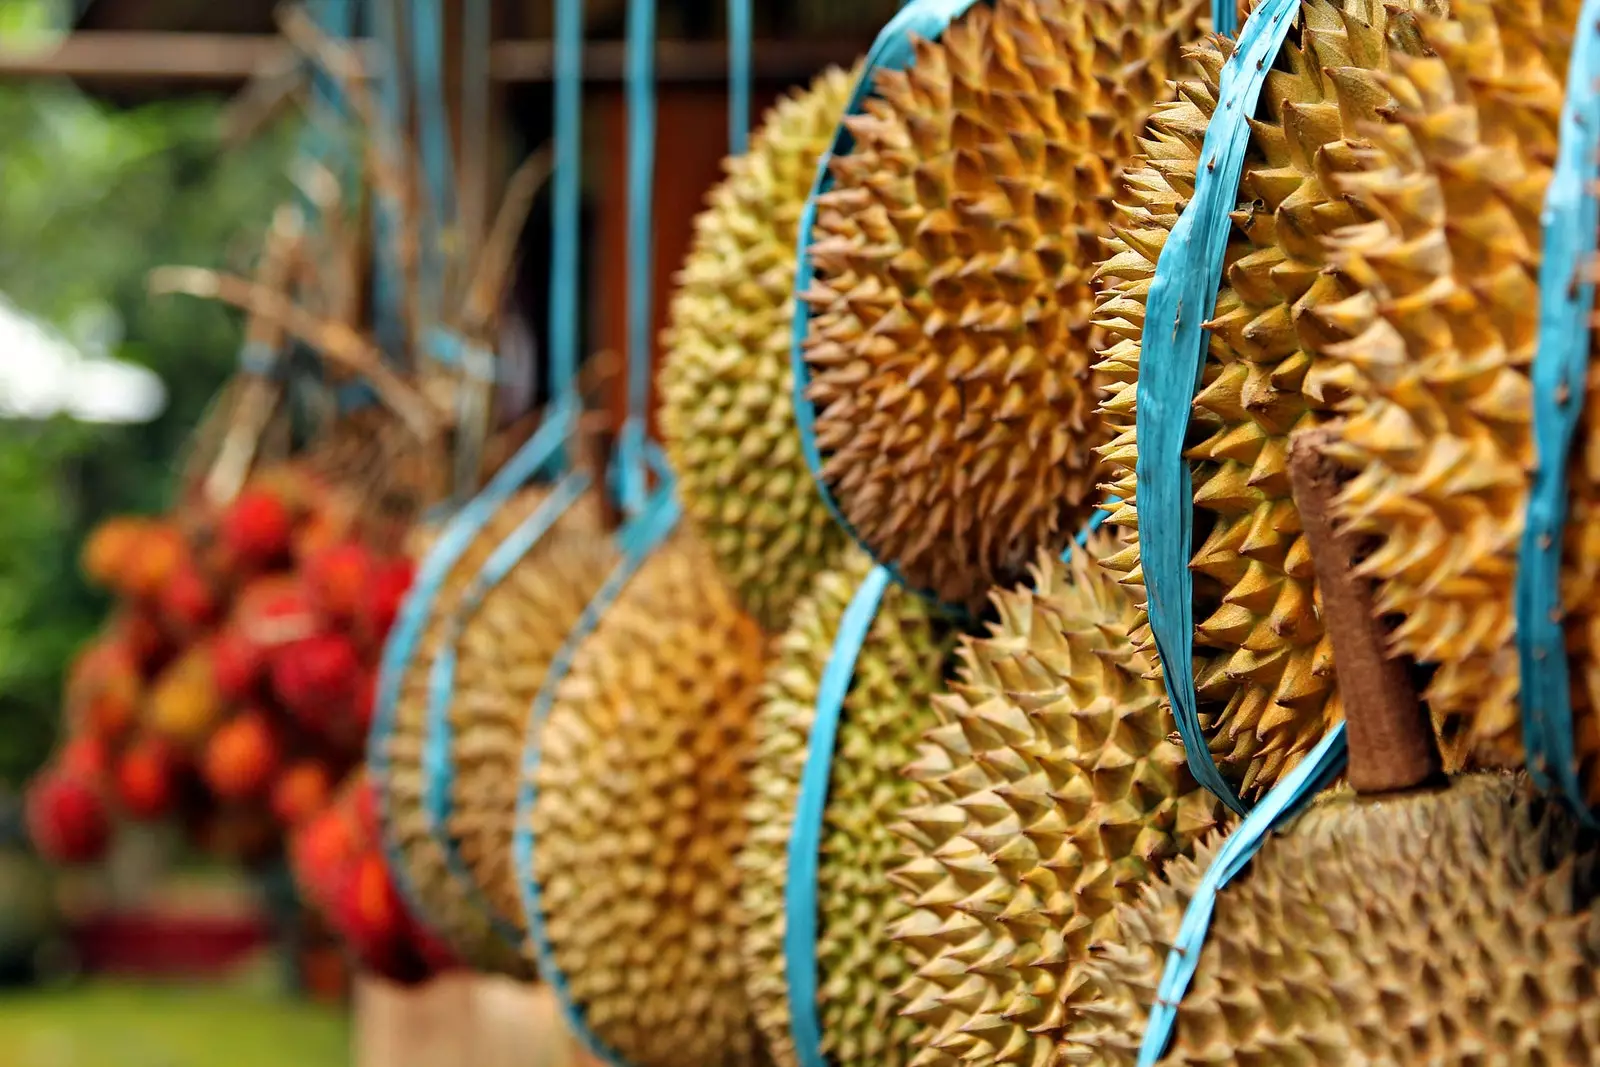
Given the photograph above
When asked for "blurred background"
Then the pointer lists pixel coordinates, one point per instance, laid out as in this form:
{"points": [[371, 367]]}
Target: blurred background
{"points": [[140, 133]]}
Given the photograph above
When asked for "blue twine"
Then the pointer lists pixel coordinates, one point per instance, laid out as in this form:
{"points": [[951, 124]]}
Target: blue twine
{"points": [[565, 196], [438, 161], [1182, 295], [641, 173], [1312, 775], [642, 535], [739, 77], [1559, 374]]}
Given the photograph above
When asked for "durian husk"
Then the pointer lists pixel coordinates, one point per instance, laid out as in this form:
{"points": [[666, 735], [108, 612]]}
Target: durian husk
{"points": [[1263, 665], [950, 340], [503, 655], [641, 789], [1436, 342], [448, 906], [1050, 791], [884, 714], [1444, 927], [727, 417]]}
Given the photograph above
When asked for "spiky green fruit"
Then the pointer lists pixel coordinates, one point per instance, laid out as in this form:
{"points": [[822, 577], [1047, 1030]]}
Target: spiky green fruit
{"points": [[727, 416], [1450, 927], [883, 716], [642, 785], [1263, 666], [504, 651], [1050, 792], [950, 342]]}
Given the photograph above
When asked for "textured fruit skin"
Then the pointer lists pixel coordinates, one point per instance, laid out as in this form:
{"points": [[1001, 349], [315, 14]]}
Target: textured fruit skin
{"points": [[1263, 668], [146, 779], [256, 529], [727, 418], [66, 817], [1436, 340], [241, 757], [640, 815], [884, 714], [950, 340], [502, 659], [1048, 792], [1451, 927]]}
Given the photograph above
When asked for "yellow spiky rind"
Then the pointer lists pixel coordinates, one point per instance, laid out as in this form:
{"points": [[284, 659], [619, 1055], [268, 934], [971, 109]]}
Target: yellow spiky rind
{"points": [[727, 417], [950, 341], [448, 906], [1451, 927], [900, 667], [642, 782], [1263, 667], [503, 652], [1050, 791], [1436, 340]]}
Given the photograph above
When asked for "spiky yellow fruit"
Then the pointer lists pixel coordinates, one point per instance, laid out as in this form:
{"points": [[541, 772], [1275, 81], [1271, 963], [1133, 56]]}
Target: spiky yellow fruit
{"points": [[504, 652], [1050, 791], [1452, 927], [1263, 667], [899, 669], [639, 815], [727, 417], [448, 907], [950, 343], [1436, 341]]}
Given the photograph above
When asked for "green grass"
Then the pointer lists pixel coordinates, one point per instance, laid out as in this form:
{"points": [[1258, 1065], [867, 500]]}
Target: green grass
{"points": [[168, 1026]]}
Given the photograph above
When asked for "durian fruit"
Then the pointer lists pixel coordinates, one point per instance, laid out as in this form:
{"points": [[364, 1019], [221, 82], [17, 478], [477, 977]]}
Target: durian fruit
{"points": [[1452, 927], [1435, 342], [447, 905], [1051, 791], [1262, 664], [639, 814], [887, 708], [504, 651], [727, 419], [950, 341]]}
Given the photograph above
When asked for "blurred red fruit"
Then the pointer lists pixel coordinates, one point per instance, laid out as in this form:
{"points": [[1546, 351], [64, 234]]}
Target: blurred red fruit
{"points": [[160, 553], [86, 757], [338, 579], [241, 757], [384, 596], [366, 699], [140, 633], [104, 688], [301, 791], [364, 805], [146, 779], [255, 529], [66, 818], [188, 602], [317, 678], [109, 551], [238, 665]]}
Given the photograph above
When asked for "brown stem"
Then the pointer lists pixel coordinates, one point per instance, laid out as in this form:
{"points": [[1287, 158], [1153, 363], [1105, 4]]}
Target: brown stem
{"points": [[1392, 744]]}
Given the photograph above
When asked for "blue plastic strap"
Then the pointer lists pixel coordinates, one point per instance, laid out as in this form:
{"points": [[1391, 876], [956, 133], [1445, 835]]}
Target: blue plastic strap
{"points": [[536, 455], [641, 74], [438, 159], [1312, 775], [1181, 298], [438, 766], [739, 78], [566, 199], [389, 319], [640, 538], [1560, 370], [1225, 17], [892, 50]]}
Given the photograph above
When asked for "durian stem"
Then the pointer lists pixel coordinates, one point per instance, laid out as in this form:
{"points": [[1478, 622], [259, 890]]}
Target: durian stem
{"points": [[1392, 744]]}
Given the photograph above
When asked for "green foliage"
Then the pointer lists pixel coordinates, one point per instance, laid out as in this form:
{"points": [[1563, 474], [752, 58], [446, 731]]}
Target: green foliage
{"points": [[91, 198]]}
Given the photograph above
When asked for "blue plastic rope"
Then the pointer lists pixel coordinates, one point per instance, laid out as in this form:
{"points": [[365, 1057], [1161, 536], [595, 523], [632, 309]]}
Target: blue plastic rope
{"points": [[566, 203], [739, 78], [638, 539], [1560, 370], [1181, 298], [438, 768], [438, 160], [537, 454], [631, 486], [1312, 775]]}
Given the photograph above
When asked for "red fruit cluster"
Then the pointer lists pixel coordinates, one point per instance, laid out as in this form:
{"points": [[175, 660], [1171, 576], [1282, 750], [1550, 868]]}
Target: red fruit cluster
{"points": [[233, 687], [338, 862]]}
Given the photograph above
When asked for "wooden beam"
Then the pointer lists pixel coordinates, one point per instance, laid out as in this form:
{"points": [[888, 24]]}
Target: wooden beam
{"points": [[218, 58]]}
